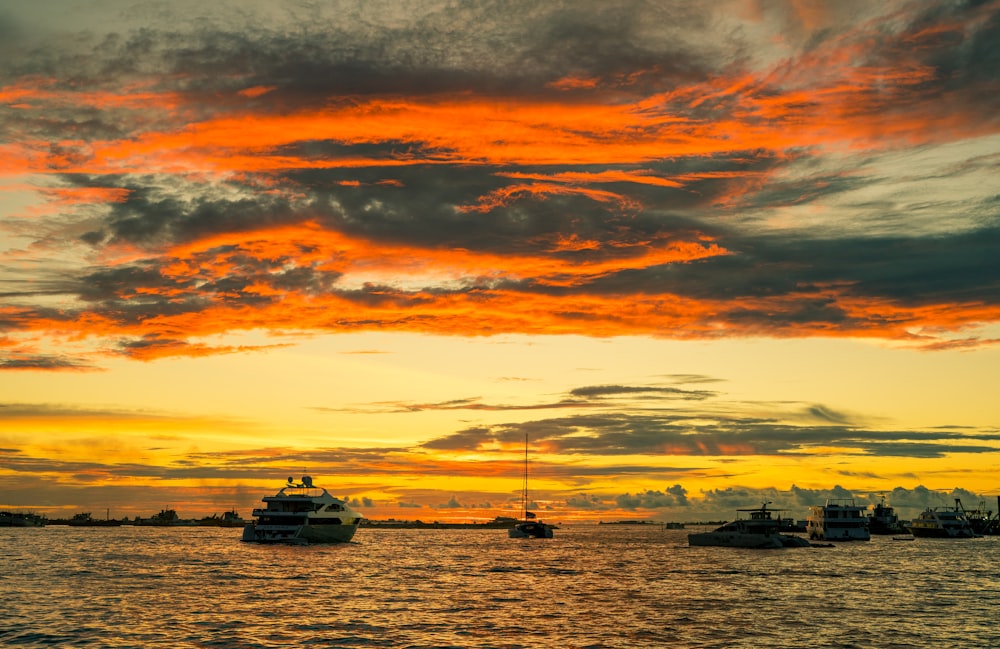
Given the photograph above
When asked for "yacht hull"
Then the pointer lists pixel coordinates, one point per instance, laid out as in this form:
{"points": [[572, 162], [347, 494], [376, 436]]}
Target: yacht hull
{"points": [[937, 534], [530, 531], [299, 535], [728, 540], [941, 533]]}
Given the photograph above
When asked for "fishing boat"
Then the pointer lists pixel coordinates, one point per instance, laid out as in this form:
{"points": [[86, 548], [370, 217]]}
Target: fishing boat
{"points": [[981, 520], [883, 520], [941, 522], [302, 513], [838, 520], [758, 531], [528, 526]]}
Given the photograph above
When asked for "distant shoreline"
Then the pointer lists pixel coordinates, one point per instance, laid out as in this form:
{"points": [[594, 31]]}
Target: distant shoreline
{"points": [[368, 523], [409, 525], [365, 523]]}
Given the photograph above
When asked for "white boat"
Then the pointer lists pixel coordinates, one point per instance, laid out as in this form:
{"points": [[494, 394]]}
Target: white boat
{"points": [[759, 531], [302, 513], [838, 520], [942, 523], [528, 526]]}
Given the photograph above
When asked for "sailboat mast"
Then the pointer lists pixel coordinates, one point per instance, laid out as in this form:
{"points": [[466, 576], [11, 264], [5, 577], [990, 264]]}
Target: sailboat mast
{"points": [[524, 485]]}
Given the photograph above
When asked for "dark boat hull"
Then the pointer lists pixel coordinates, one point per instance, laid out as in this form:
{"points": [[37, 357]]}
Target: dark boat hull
{"points": [[531, 530], [938, 533], [302, 534]]}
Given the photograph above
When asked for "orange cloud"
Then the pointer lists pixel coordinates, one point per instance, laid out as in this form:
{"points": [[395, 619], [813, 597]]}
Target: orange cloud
{"points": [[256, 91], [78, 195], [574, 83], [482, 307]]}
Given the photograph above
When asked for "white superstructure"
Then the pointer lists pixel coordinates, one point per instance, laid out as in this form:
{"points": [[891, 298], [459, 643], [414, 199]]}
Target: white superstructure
{"points": [[302, 513], [838, 520]]}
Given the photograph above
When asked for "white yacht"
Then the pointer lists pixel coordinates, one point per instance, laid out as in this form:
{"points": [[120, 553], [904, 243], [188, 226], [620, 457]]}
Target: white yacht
{"points": [[942, 523], [838, 520], [757, 531], [302, 513]]}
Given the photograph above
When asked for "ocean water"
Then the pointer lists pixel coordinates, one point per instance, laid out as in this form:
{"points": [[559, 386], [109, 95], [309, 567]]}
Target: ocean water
{"points": [[590, 586]]}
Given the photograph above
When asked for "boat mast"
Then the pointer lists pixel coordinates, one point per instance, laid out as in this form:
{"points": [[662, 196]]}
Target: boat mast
{"points": [[524, 482]]}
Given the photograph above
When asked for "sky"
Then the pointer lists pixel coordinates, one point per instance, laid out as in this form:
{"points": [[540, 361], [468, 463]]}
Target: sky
{"points": [[700, 255]]}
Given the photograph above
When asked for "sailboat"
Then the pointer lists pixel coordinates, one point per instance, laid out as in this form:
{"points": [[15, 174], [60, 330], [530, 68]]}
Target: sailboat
{"points": [[528, 526]]}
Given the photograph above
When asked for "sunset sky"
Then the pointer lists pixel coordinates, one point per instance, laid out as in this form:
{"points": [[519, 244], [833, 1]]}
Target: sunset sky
{"points": [[701, 254]]}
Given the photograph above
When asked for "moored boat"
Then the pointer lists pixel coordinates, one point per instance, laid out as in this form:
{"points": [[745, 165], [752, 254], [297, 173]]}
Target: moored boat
{"points": [[529, 526], [981, 520], [531, 529], [231, 518], [838, 520], [21, 519], [86, 520], [941, 522], [164, 518], [883, 520], [758, 531], [302, 513]]}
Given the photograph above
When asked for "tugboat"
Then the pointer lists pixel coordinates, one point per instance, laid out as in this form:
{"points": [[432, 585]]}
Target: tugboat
{"points": [[838, 520], [883, 520], [302, 513]]}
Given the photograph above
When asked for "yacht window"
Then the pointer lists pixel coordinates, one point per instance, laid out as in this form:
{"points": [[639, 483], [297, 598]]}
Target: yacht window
{"points": [[335, 507]]}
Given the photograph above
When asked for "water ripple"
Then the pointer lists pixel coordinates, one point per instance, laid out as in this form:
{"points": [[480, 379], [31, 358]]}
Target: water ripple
{"points": [[590, 587]]}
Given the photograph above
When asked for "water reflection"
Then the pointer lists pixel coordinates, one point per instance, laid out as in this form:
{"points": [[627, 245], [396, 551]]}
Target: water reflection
{"points": [[590, 586]]}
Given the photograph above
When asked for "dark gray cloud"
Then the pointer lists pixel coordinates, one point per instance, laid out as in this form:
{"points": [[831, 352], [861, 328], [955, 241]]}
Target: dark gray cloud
{"points": [[668, 434], [598, 391], [14, 410], [25, 361], [424, 49], [594, 396], [658, 421]]}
